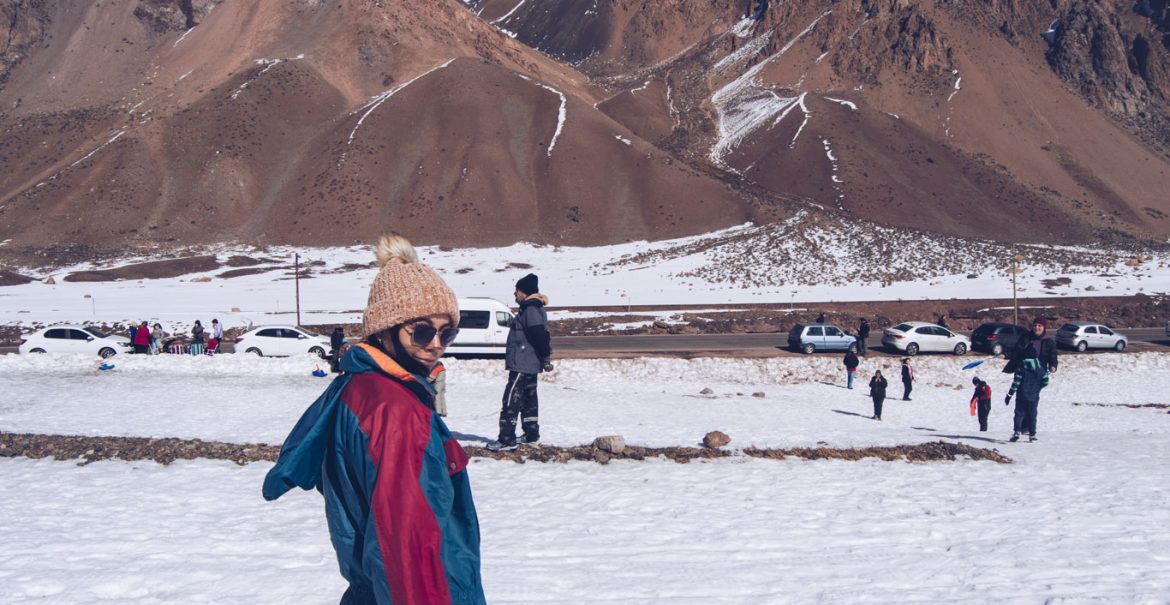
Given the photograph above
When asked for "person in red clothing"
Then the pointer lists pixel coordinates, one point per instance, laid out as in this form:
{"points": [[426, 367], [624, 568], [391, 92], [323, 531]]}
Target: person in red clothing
{"points": [[397, 495], [141, 340], [981, 402]]}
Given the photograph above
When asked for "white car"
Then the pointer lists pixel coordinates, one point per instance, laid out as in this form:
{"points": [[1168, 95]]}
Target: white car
{"points": [[282, 341], [1083, 335], [483, 327], [912, 337], [74, 339]]}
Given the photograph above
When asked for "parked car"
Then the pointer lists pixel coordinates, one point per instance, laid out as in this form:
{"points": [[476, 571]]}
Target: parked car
{"points": [[995, 338], [74, 339], [810, 338], [912, 337], [282, 341], [483, 327], [1084, 335]]}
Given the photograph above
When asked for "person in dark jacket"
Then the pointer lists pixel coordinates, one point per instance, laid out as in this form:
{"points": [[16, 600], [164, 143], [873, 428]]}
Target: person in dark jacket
{"points": [[981, 401], [862, 336], [197, 333], [942, 320], [397, 496], [851, 363], [528, 353], [821, 318], [1039, 342], [907, 379], [336, 342], [877, 392], [1029, 378]]}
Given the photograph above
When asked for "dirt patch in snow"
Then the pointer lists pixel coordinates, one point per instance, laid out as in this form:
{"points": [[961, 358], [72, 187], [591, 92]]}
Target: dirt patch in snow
{"points": [[167, 450], [152, 270], [9, 278]]}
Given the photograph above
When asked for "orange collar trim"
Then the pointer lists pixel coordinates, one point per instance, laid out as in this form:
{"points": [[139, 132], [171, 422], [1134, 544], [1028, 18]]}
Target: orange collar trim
{"points": [[386, 364]]}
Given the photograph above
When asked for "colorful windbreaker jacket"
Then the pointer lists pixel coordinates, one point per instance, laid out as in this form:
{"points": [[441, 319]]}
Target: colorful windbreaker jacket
{"points": [[397, 497]]}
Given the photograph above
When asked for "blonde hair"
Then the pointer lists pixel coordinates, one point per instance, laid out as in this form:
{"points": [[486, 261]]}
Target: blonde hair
{"points": [[394, 247]]}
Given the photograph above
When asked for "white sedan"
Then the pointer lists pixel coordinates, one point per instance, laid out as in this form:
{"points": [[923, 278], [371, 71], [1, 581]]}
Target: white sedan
{"points": [[911, 337], [74, 339], [282, 341]]}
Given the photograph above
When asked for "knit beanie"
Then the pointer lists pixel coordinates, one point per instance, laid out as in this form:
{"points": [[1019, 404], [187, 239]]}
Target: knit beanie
{"points": [[404, 288], [528, 284]]}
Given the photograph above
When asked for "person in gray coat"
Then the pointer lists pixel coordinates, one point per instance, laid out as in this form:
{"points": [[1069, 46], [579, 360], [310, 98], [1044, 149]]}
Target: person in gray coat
{"points": [[528, 353]]}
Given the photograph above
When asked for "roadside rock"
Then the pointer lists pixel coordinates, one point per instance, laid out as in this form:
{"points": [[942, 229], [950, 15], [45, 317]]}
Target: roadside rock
{"points": [[614, 444]]}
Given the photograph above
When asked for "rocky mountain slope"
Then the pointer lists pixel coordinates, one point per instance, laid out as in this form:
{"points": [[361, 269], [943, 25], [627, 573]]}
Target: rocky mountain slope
{"points": [[145, 123]]}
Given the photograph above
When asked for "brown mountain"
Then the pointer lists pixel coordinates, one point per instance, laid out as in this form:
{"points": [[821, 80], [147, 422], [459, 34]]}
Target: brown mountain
{"points": [[147, 122]]}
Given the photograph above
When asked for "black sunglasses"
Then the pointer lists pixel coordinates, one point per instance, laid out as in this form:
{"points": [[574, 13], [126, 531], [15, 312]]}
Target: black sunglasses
{"points": [[421, 334]]}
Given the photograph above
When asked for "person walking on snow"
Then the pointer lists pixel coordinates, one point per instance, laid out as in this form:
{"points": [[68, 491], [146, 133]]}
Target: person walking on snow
{"points": [[397, 496], [1030, 377], [156, 339], [907, 379], [877, 392], [851, 363], [862, 336], [981, 402], [336, 341], [528, 353]]}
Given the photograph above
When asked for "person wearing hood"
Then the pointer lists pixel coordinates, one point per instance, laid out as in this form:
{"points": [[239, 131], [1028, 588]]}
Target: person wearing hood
{"points": [[981, 402], [397, 496], [528, 353], [1027, 381]]}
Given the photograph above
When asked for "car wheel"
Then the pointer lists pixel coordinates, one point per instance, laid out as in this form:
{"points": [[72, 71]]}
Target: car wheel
{"points": [[1082, 346], [997, 349], [912, 349], [255, 352], [37, 351], [960, 349], [1120, 346], [318, 351], [808, 348], [107, 353]]}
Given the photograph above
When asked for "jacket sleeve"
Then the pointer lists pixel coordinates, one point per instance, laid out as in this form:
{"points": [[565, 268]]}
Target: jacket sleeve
{"points": [[412, 489], [537, 334]]}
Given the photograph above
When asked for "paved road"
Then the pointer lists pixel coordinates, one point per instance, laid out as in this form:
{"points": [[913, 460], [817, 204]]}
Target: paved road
{"points": [[1142, 339]]}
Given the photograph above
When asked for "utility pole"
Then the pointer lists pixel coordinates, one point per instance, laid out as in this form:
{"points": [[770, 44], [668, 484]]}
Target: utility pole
{"points": [[1014, 270], [297, 280]]}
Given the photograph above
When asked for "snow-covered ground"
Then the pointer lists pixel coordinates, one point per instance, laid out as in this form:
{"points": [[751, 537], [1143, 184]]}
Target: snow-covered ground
{"points": [[785, 263], [1081, 516]]}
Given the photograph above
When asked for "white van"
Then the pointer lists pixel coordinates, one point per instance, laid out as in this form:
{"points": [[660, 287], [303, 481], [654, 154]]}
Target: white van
{"points": [[483, 327]]}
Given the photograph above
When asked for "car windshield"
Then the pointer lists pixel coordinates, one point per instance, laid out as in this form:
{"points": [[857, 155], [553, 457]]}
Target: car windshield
{"points": [[902, 327], [96, 332]]}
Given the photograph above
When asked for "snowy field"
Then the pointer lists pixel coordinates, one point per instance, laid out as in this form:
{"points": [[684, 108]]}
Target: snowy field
{"points": [[771, 264], [1082, 516]]}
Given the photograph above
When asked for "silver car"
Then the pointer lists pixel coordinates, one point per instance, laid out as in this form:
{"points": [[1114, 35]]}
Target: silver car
{"points": [[1084, 335]]}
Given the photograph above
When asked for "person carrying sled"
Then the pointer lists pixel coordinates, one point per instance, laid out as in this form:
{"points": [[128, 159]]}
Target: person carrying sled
{"points": [[877, 392], [1030, 377], [851, 362], [397, 495], [981, 402], [528, 353]]}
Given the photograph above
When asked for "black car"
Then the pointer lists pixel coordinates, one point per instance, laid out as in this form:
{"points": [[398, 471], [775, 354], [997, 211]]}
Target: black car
{"points": [[995, 338]]}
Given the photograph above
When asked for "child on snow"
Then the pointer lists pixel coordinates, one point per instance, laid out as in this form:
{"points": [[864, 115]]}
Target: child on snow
{"points": [[877, 390], [1031, 376], [981, 401]]}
